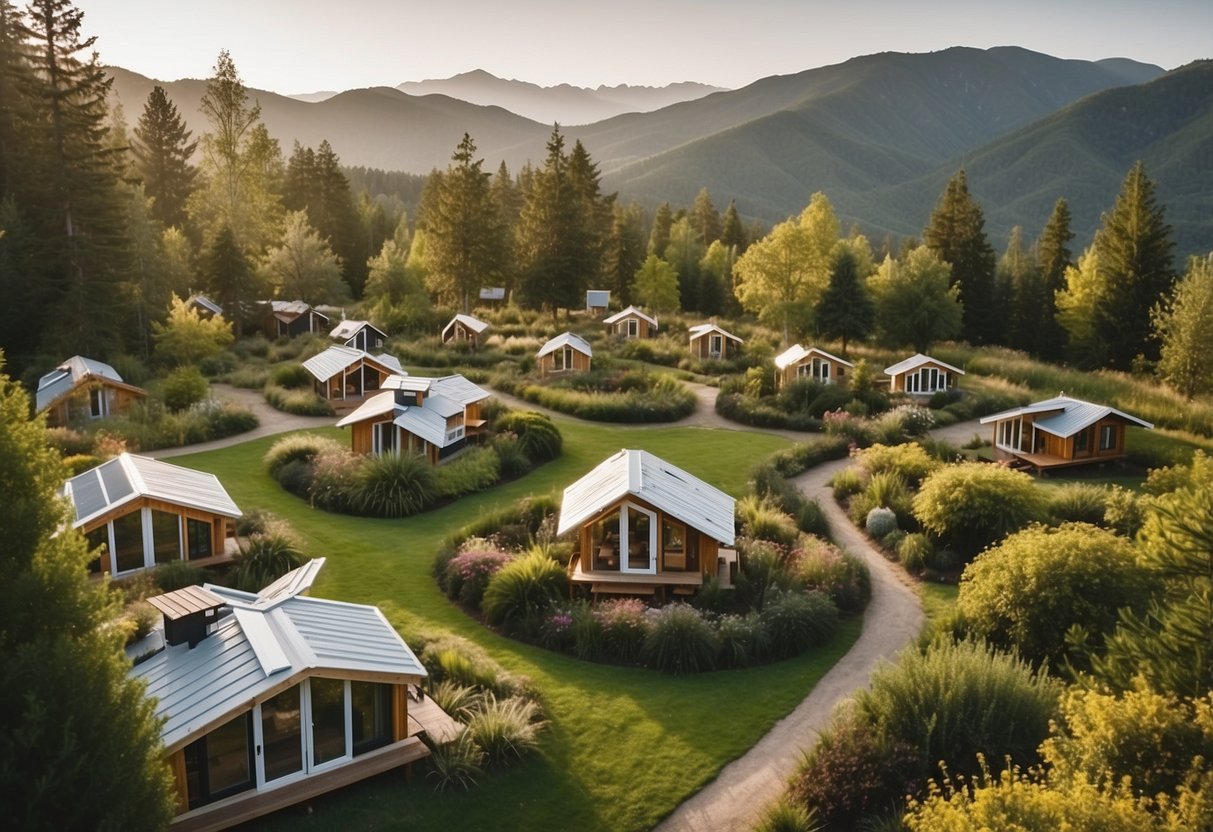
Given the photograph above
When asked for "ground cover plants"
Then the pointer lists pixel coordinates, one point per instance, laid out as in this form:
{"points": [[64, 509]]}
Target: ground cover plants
{"points": [[605, 395], [660, 752]]}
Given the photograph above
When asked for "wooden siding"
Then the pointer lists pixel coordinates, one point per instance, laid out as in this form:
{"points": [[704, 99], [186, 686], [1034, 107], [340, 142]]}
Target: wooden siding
{"points": [[838, 371], [581, 364], [219, 525], [75, 407], [400, 712], [701, 346], [709, 547], [355, 383], [176, 762], [459, 332], [897, 383], [620, 327]]}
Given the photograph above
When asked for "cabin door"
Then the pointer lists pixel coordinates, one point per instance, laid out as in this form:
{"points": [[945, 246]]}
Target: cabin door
{"points": [[638, 541]]}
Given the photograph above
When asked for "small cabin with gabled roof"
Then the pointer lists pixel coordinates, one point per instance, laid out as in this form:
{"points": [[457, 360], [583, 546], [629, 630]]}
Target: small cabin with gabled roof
{"points": [[631, 323], [464, 329], [344, 376], [138, 513], [361, 335], [1061, 431], [434, 417], [566, 353], [269, 699], [922, 375], [291, 318], [643, 526], [597, 301], [81, 389], [711, 341], [814, 364]]}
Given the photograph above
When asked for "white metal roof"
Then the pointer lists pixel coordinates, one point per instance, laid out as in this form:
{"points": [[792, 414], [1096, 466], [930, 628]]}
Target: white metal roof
{"points": [[376, 405], [917, 360], [597, 298], [700, 330], [339, 358], [1070, 415], [474, 324], [650, 478], [348, 329], [68, 375], [493, 293], [125, 478], [447, 396], [796, 353], [627, 313], [296, 582], [415, 384], [264, 643], [206, 303], [426, 421], [459, 389], [566, 339]]}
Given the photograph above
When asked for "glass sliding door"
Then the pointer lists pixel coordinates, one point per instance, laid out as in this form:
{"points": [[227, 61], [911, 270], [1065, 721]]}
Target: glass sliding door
{"points": [[328, 720], [128, 542], [166, 536], [371, 715], [281, 735]]}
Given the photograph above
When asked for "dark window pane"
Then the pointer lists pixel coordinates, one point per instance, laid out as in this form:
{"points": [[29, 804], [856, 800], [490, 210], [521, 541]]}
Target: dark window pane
{"points": [[199, 534], [328, 720], [280, 734], [166, 536], [227, 756], [372, 715], [98, 540], [128, 541]]}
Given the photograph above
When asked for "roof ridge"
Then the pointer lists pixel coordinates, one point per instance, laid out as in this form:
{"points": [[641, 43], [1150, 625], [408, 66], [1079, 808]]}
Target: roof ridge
{"points": [[132, 473]]}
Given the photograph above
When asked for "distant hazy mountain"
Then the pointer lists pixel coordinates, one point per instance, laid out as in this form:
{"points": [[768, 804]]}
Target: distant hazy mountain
{"points": [[564, 103], [313, 97]]}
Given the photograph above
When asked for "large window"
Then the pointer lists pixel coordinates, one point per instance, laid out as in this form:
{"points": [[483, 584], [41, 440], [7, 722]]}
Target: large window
{"points": [[383, 436], [198, 538], [281, 734], [166, 536], [640, 531], [128, 542], [221, 763], [371, 715], [98, 406], [328, 720], [715, 345]]}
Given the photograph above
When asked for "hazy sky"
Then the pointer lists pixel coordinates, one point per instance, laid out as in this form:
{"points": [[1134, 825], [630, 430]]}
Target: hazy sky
{"points": [[294, 46]]}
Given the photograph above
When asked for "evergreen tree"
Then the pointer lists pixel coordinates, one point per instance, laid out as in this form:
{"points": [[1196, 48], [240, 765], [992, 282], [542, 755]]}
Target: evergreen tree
{"points": [[594, 211], [466, 239], [684, 253], [846, 310], [162, 149], [1054, 257], [705, 219], [229, 280], [147, 288], [1135, 257], [956, 234], [716, 279], [659, 236], [81, 746], [1183, 325], [732, 232], [1027, 300], [507, 199], [624, 251], [299, 187]]}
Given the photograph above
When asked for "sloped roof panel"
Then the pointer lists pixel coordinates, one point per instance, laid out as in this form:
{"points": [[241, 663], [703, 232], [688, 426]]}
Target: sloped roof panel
{"points": [[75, 370], [376, 405], [459, 389], [627, 313], [1071, 416], [339, 358], [423, 422], [125, 477], [917, 360], [700, 330], [474, 324], [790, 356], [566, 339]]}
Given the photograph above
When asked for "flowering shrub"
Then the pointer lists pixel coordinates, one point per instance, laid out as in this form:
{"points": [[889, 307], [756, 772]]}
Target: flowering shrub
{"points": [[556, 632], [468, 573], [624, 625]]}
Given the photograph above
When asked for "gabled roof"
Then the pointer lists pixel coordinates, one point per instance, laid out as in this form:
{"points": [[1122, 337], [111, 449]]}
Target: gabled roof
{"points": [[700, 330], [376, 405], [796, 353], [645, 476], [474, 324], [444, 397], [71, 374], [428, 420], [338, 358], [1069, 415], [347, 329], [206, 303], [127, 478], [917, 360], [565, 339], [265, 642], [459, 389], [630, 312]]}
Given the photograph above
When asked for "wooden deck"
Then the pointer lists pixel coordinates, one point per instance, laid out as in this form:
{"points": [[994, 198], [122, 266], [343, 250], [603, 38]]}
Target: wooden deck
{"points": [[1047, 462], [614, 582], [436, 723]]}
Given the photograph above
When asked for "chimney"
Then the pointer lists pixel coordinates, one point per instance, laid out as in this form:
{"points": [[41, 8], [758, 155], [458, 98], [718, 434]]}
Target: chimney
{"points": [[188, 614]]}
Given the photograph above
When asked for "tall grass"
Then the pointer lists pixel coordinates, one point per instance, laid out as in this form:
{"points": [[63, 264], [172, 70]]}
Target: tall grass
{"points": [[519, 594]]}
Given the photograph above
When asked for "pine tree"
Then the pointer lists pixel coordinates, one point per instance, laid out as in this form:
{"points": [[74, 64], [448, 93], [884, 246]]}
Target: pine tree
{"points": [[229, 280], [705, 219], [624, 252], [81, 747], [507, 199], [594, 214], [1054, 257], [1183, 325], [162, 149], [1135, 255], [1025, 297], [684, 253], [659, 236], [732, 232], [466, 239], [846, 310], [956, 234]]}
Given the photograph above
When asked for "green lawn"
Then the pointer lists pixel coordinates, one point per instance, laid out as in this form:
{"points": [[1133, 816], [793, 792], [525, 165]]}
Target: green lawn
{"points": [[624, 746]]}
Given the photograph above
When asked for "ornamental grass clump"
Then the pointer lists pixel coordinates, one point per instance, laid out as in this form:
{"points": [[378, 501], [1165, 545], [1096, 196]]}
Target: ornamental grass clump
{"points": [[763, 519], [820, 565], [538, 437], [910, 461], [303, 447], [506, 729], [523, 591], [1078, 502], [624, 626], [742, 640], [265, 558], [456, 764], [796, 621], [393, 485], [680, 641]]}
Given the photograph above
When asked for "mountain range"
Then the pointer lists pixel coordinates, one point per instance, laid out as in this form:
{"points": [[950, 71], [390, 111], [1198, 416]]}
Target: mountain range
{"points": [[879, 134]]}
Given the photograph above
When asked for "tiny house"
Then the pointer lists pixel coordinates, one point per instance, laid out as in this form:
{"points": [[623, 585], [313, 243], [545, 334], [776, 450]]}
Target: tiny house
{"points": [[464, 329], [566, 353], [81, 389], [1061, 431], [922, 375], [345, 375], [291, 318], [631, 323], [361, 335], [814, 364], [710, 341]]}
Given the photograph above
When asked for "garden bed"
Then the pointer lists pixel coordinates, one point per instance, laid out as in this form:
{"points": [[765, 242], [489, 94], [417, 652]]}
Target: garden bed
{"points": [[606, 396]]}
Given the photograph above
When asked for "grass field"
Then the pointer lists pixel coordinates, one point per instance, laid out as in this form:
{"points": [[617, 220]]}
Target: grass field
{"points": [[624, 746]]}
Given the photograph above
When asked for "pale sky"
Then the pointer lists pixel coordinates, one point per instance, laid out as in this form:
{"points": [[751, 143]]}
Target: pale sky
{"points": [[296, 46]]}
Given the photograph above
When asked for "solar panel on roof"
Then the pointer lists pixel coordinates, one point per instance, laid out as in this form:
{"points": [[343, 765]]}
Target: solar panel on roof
{"points": [[117, 486], [87, 495]]}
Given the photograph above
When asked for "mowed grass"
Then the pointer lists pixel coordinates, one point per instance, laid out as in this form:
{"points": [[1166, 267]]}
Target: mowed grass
{"points": [[624, 746]]}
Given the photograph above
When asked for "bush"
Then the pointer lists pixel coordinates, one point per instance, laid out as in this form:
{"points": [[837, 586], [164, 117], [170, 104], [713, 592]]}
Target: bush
{"points": [[1078, 502], [956, 700], [178, 574], [512, 459], [763, 520], [846, 482], [1026, 592], [805, 455], [881, 522], [291, 377], [810, 519], [680, 641], [971, 505], [538, 437], [796, 621], [304, 447], [665, 399], [249, 378], [742, 640], [884, 490], [468, 573], [337, 480], [79, 463], [297, 402], [913, 551], [624, 626], [822, 566], [474, 470], [853, 773], [523, 591], [586, 632], [265, 559], [909, 461], [456, 764], [70, 442], [184, 387], [506, 729], [1123, 513]]}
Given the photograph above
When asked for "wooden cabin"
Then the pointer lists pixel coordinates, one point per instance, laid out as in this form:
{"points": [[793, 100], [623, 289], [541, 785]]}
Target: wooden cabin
{"points": [[566, 353], [813, 364], [82, 389], [361, 335], [345, 376], [710, 341], [464, 329], [644, 526], [631, 323], [292, 318], [1060, 432], [493, 296], [140, 513], [434, 417], [269, 699], [922, 375], [597, 301]]}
